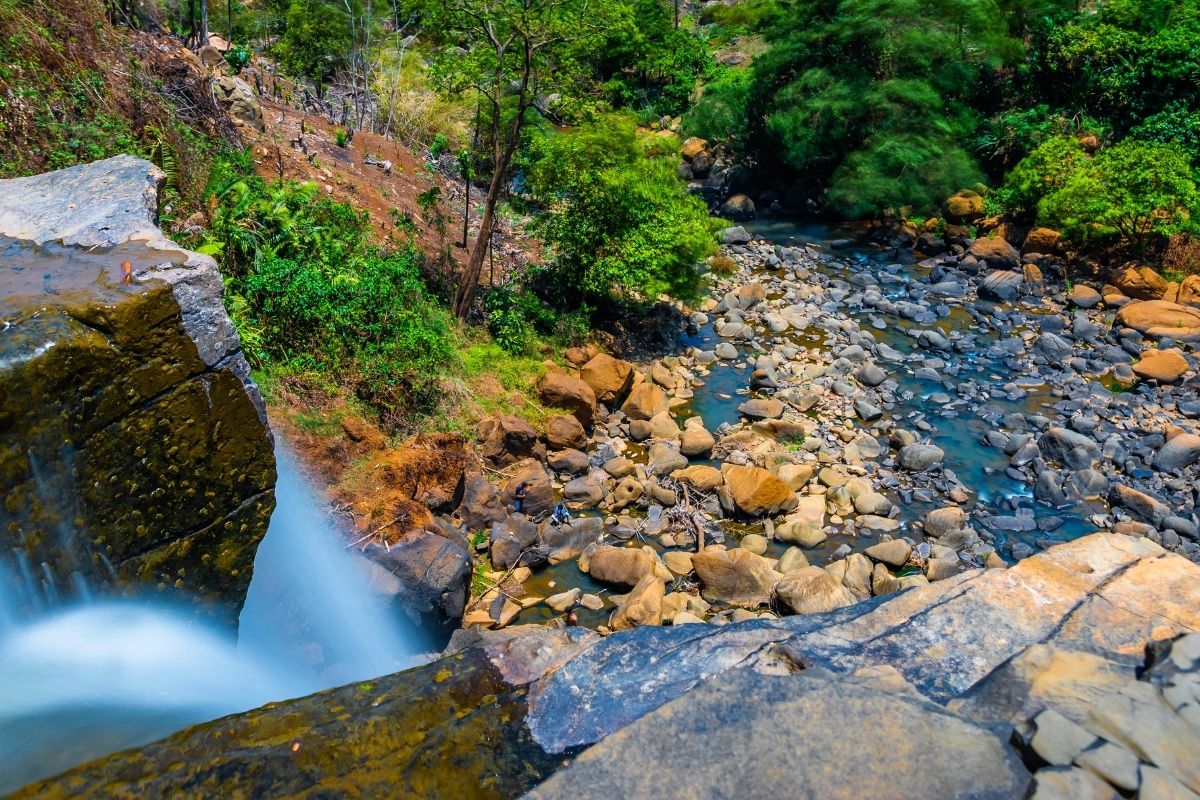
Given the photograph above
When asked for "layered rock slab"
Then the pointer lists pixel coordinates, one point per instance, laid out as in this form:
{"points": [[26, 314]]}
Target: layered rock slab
{"points": [[134, 449], [787, 736]]}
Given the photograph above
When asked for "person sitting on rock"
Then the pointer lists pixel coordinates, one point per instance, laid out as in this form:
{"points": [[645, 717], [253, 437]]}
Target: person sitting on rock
{"points": [[519, 497], [560, 516]]}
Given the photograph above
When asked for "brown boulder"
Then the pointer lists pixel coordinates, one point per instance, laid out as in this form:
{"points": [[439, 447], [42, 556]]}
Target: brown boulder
{"points": [[1043, 240], [1164, 366], [508, 439], [692, 147], [1084, 296], [645, 402], [1140, 283], [965, 205], [996, 253], [642, 606], [560, 390], [620, 565], [756, 492], [481, 504], [700, 477], [737, 577], [563, 432], [539, 493], [812, 590], [608, 377], [696, 441], [1159, 318], [1189, 291]]}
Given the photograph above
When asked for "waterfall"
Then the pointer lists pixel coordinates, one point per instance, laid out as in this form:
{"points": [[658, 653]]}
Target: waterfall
{"points": [[96, 675]]}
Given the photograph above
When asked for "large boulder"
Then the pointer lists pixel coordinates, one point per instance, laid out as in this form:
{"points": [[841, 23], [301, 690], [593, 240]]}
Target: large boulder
{"points": [[642, 606], [1164, 366], [920, 457], [964, 206], [1002, 284], [1046, 241], [1140, 283], [134, 447], [786, 736], [1180, 451], [812, 590], [481, 504], [996, 252], [428, 575], [738, 208], [560, 390], [539, 497], [646, 401], [737, 577], [608, 377], [700, 477], [756, 492], [1069, 448], [239, 100], [624, 566], [567, 541], [507, 439], [563, 432], [692, 147], [1159, 318]]}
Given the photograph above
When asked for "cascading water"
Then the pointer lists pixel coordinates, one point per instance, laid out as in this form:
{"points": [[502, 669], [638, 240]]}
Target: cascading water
{"points": [[89, 678]]}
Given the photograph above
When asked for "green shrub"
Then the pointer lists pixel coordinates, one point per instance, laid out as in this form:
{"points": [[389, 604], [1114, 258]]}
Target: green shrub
{"points": [[621, 225], [1044, 171], [237, 58], [341, 138], [307, 289], [1128, 191]]}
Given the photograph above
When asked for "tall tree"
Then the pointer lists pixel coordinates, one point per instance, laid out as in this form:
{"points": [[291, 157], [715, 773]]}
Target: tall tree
{"points": [[510, 52]]}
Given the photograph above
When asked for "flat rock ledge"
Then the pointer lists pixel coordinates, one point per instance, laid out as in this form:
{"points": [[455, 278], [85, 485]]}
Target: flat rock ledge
{"points": [[967, 687]]}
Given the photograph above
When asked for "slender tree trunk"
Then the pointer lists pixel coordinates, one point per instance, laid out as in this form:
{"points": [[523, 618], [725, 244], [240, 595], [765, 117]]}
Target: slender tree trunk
{"points": [[229, 21], [468, 284], [202, 33]]}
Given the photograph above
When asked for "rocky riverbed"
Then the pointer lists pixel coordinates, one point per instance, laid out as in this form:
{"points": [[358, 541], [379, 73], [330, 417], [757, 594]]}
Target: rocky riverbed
{"points": [[839, 424]]}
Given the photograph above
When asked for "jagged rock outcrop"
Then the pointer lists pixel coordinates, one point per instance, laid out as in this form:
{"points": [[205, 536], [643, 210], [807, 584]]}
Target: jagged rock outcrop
{"points": [[134, 448], [945, 672]]}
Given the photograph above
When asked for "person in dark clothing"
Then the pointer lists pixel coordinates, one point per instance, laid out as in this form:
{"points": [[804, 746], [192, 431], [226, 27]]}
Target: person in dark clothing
{"points": [[560, 515], [519, 497]]}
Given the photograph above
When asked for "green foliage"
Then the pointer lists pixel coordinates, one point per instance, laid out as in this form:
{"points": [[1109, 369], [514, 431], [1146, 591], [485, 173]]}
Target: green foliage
{"points": [[1123, 60], [438, 146], [237, 57], [315, 41], [305, 287], [1044, 171], [1174, 124], [253, 220], [722, 113], [1130, 190], [647, 64], [341, 138], [871, 97], [620, 224]]}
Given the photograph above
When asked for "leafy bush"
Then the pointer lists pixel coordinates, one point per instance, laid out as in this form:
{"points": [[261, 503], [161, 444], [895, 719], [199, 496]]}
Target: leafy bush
{"points": [[1044, 171], [237, 58], [306, 288], [1130, 190], [341, 138], [620, 225], [721, 113]]}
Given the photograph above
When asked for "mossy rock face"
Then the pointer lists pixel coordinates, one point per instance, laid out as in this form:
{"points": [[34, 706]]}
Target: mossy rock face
{"points": [[452, 729], [134, 449]]}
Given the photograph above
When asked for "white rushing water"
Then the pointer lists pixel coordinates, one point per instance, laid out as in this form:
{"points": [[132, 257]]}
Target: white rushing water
{"points": [[86, 679]]}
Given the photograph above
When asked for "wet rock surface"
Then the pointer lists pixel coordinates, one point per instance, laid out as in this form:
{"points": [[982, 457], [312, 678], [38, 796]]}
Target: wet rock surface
{"points": [[965, 663], [134, 449]]}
